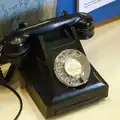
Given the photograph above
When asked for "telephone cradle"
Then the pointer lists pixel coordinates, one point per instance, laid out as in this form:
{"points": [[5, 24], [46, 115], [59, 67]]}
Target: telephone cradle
{"points": [[54, 66]]}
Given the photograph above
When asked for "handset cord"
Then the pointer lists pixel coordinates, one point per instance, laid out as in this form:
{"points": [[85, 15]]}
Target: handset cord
{"points": [[2, 83]]}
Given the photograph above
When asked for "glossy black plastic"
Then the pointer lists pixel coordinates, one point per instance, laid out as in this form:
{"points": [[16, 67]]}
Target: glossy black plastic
{"points": [[80, 25], [44, 42], [50, 95]]}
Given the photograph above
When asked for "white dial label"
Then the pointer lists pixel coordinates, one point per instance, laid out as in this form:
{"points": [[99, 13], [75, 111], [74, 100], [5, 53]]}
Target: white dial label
{"points": [[73, 67]]}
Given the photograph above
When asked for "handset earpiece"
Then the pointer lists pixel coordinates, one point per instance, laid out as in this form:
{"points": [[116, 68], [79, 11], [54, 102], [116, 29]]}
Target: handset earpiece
{"points": [[15, 48]]}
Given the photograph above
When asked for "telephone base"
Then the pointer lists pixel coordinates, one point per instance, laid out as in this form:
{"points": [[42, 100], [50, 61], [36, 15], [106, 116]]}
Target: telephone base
{"points": [[55, 100]]}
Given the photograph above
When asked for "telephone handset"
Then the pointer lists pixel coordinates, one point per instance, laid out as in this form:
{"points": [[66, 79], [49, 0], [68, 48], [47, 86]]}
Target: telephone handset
{"points": [[80, 24]]}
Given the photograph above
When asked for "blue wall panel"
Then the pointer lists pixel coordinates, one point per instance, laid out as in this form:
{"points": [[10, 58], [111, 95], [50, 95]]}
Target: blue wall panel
{"points": [[68, 5], [101, 14]]}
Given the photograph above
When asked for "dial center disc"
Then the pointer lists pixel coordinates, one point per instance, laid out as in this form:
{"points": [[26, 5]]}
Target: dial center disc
{"points": [[73, 67]]}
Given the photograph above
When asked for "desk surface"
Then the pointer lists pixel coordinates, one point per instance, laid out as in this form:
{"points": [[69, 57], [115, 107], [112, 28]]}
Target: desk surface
{"points": [[103, 51]]}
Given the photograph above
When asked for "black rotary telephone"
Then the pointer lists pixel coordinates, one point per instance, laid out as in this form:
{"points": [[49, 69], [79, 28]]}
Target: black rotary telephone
{"points": [[53, 63]]}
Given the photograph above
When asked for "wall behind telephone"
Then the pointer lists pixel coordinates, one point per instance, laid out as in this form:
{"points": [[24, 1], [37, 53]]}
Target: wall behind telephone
{"points": [[15, 11]]}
